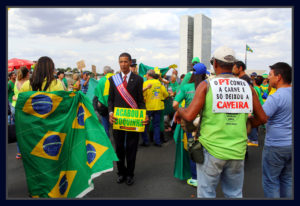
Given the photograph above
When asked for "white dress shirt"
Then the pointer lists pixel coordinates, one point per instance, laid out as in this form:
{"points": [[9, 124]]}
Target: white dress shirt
{"points": [[127, 78]]}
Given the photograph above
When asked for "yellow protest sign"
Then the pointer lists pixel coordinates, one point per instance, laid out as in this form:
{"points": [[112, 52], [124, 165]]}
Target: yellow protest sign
{"points": [[80, 65], [129, 119], [94, 69]]}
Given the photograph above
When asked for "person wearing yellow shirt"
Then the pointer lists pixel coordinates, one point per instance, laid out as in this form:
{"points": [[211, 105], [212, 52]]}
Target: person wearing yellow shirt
{"points": [[43, 78], [154, 94]]}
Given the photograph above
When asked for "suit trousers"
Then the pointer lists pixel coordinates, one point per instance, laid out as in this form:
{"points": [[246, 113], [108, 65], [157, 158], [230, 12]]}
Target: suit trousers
{"points": [[126, 150]]}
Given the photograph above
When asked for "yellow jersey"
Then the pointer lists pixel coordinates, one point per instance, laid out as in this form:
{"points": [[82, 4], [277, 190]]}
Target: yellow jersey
{"points": [[155, 95], [55, 85]]}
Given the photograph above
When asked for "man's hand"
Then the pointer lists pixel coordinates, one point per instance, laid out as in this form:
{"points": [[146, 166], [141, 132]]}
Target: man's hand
{"points": [[112, 119], [177, 118], [146, 120]]}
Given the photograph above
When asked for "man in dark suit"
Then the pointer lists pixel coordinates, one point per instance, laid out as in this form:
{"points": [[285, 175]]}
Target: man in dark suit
{"points": [[134, 86]]}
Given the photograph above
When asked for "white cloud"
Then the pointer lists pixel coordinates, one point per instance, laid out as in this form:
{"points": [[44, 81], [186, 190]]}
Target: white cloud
{"points": [[151, 35], [165, 56], [86, 18]]}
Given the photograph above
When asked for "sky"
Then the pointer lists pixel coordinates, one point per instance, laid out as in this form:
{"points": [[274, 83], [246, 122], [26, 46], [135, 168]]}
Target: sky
{"points": [[151, 35]]}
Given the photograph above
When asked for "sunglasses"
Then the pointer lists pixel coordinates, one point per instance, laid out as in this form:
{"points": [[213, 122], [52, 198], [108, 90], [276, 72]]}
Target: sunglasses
{"points": [[212, 61]]}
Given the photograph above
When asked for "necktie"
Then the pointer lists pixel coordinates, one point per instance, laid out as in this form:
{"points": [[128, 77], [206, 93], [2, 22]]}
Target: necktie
{"points": [[125, 82]]}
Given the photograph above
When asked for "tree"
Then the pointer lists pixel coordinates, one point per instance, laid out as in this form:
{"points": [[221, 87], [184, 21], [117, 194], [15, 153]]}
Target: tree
{"points": [[75, 70], [68, 69], [60, 69]]}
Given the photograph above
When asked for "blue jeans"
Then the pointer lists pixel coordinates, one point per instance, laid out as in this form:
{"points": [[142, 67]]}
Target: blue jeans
{"points": [[155, 115], [105, 122], [11, 118], [277, 171], [230, 172], [253, 136], [192, 163]]}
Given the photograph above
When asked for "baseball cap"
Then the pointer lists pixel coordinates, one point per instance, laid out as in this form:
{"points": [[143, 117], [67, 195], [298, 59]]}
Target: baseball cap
{"points": [[200, 68], [224, 54], [195, 60], [85, 73], [265, 75], [254, 74]]}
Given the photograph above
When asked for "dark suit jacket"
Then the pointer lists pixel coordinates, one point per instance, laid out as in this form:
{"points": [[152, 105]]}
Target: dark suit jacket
{"points": [[134, 87]]}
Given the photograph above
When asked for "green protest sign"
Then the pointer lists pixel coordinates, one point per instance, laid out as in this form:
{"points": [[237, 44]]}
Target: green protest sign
{"points": [[129, 119]]}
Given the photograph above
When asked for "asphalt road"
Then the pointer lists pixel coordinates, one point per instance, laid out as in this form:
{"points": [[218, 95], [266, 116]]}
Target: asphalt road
{"points": [[153, 176]]}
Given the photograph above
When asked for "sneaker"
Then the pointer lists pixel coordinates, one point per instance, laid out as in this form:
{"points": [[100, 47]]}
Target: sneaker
{"points": [[252, 143], [18, 156], [192, 182]]}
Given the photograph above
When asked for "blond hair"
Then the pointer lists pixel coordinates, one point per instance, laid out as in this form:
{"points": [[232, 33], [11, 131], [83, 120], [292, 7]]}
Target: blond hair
{"points": [[22, 73]]}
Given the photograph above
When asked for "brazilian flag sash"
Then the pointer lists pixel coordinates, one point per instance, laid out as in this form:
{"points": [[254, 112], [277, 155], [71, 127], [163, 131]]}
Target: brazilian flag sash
{"points": [[123, 91], [63, 145]]}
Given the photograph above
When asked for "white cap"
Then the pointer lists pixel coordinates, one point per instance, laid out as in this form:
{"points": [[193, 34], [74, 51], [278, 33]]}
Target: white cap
{"points": [[224, 54]]}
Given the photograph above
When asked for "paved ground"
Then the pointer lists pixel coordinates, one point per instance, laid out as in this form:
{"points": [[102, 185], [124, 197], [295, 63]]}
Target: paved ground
{"points": [[153, 175]]}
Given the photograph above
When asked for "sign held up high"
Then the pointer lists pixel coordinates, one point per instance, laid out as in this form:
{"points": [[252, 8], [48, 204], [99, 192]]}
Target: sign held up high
{"points": [[80, 65]]}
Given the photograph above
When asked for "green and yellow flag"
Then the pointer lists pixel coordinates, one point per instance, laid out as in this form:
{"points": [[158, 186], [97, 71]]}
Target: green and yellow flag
{"points": [[182, 169], [63, 145], [144, 68], [248, 48]]}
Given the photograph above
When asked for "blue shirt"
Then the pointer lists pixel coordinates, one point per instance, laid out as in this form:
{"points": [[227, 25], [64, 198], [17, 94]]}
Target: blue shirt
{"points": [[84, 88], [279, 126]]}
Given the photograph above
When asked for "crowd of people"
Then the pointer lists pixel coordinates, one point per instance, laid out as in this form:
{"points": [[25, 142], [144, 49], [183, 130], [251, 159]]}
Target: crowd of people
{"points": [[172, 101]]}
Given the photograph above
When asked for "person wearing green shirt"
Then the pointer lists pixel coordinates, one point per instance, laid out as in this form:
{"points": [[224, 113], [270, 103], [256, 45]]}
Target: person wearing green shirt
{"points": [[101, 92], [253, 135], [223, 133], [11, 84], [187, 93]]}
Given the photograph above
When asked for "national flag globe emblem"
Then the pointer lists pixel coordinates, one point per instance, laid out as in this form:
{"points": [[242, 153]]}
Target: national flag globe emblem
{"points": [[63, 185], [42, 104], [91, 153], [52, 145], [80, 116]]}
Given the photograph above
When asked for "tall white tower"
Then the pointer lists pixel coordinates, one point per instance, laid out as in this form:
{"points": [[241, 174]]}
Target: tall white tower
{"points": [[195, 41], [186, 43], [202, 39]]}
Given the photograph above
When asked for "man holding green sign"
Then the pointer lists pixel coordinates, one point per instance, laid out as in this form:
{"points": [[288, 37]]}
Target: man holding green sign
{"points": [[125, 94]]}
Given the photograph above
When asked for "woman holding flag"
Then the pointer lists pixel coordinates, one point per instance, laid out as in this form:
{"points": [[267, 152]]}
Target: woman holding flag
{"points": [[186, 93]]}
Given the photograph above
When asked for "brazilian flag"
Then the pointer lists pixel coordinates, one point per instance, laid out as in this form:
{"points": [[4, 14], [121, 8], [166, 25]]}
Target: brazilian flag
{"points": [[182, 168], [248, 48], [63, 145], [91, 89], [144, 68]]}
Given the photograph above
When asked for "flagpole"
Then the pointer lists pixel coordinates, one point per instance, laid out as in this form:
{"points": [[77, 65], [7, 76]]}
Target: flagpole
{"points": [[246, 56]]}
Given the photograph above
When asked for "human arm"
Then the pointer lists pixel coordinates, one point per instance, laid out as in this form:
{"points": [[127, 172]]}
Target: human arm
{"points": [[147, 87], [87, 81], [139, 89], [259, 117], [178, 98], [175, 105], [164, 80], [191, 112]]}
